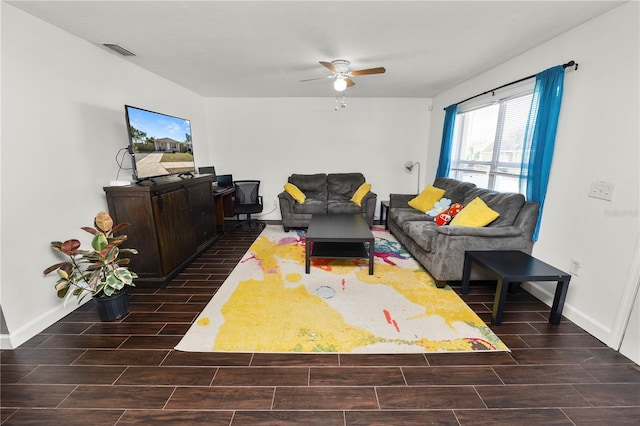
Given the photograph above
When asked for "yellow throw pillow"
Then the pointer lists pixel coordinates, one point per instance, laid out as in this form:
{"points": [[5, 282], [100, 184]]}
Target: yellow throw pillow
{"points": [[427, 198], [295, 192], [360, 193], [476, 213]]}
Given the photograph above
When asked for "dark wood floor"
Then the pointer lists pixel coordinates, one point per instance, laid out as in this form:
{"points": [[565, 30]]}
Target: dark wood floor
{"points": [[82, 371]]}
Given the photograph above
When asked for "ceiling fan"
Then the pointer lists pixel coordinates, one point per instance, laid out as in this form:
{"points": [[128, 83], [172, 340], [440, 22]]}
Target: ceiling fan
{"points": [[342, 76]]}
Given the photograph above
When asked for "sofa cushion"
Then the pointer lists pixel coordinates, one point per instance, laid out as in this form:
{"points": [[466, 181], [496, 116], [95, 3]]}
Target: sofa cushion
{"points": [[311, 206], [342, 186], [402, 215], [341, 207], [454, 190], [340, 189], [423, 233], [507, 204], [314, 186]]}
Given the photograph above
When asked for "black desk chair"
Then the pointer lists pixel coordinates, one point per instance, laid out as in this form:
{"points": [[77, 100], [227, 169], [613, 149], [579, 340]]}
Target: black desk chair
{"points": [[247, 200]]}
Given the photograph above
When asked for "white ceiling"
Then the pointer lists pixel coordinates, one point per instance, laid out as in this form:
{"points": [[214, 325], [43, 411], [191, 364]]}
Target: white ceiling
{"points": [[263, 48]]}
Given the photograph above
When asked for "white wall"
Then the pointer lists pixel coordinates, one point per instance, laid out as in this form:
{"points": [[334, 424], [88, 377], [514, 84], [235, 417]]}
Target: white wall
{"points": [[62, 125], [597, 139], [271, 138]]}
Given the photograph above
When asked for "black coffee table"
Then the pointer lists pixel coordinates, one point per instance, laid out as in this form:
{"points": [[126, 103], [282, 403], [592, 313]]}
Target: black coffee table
{"points": [[513, 266], [335, 236]]}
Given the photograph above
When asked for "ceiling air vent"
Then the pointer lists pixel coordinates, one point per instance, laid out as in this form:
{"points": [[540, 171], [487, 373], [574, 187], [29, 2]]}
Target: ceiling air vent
{"points": [[118, 49]]}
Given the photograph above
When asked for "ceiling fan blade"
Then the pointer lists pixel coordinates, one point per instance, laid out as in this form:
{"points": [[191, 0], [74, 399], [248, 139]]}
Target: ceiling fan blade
{"points": [[312, 79], [349, 82], [329, 66], [378, 70]]}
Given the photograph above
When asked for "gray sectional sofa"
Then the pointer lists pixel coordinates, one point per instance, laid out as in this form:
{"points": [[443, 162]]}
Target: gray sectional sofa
{"points": [[440, 249], [325, 194]]}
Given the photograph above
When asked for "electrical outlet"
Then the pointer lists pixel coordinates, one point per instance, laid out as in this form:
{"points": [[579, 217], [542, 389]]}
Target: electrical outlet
{"points": [[602, 190], [574, 267]]}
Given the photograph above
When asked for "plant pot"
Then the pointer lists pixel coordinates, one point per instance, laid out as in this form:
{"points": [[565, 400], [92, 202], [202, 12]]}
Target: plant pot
{"points": [[111, 308]]}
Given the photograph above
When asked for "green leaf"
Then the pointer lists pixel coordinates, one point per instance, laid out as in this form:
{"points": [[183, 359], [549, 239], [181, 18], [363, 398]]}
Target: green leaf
{"points": [[114, 281], [112, 255], [108, 291], [63, 292], [99, 242], [124, 275]]}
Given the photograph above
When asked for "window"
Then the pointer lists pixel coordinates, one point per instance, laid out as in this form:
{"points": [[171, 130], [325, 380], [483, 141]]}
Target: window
{"points": [[488, 140]]}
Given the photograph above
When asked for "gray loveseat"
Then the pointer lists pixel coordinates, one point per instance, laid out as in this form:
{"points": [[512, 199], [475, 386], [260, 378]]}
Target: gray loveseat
{"points": [[440, 249], [325, 194]]}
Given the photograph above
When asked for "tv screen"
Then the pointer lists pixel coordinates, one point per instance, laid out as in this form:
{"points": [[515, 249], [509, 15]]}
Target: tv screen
{"points": [[160, 144], [225, 181]]}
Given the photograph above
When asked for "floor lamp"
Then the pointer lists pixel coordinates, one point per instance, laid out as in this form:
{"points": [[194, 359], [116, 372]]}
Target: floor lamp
{"points": [[409, 165]]}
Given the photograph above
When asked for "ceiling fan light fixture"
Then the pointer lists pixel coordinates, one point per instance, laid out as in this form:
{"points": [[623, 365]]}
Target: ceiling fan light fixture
{"points": [[340, 84]]}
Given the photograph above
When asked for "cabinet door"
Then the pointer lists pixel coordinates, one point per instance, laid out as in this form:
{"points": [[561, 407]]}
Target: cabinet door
{"points": [[136, 209], [173, 226], [202, 213]]}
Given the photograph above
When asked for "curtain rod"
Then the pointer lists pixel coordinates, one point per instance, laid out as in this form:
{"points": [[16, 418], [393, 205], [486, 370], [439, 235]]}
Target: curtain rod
{"points": [[567, 65]]}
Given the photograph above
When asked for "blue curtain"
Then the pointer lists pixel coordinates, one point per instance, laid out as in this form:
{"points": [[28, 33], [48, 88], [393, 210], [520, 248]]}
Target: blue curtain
{"points": [[540, 136], [447, 140]]}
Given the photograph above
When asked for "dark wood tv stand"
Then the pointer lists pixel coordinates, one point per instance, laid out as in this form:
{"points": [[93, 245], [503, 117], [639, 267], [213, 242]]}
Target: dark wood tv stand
{"points": [[171, 223]]}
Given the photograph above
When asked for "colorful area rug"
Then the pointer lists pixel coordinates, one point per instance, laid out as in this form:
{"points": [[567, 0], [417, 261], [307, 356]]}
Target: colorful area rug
{"points": [[268, 304]]}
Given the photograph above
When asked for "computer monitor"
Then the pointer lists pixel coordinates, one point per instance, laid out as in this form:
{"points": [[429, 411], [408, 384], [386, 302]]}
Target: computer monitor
{"points": [[208, 170], [225, 181]]}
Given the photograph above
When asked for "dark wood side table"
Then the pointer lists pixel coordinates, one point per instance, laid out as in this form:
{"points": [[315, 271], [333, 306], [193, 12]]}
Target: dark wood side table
{"points": [[512, 266], [384, 213]]}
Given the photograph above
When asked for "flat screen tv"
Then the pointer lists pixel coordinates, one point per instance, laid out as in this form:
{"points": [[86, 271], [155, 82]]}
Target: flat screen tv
{"points": [[159, 144]]}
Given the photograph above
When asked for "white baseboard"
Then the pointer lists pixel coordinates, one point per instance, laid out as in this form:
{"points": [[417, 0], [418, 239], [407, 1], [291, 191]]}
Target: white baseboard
{"points": [[584, 321], [5, 341], [32, 328]]}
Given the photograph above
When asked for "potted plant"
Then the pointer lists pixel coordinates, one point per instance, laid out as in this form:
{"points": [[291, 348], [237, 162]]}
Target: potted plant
{"points": [[99, 272]]}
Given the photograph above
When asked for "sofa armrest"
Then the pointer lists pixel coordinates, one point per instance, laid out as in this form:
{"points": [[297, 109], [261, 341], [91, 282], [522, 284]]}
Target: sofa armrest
{"points": [[400, 200], [482, 232], [368, 206], [286, 202], [284, 195], [369, 196]]}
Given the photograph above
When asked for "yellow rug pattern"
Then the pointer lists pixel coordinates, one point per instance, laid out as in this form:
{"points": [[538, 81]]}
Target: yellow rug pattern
{"points": [[268, 304]]}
